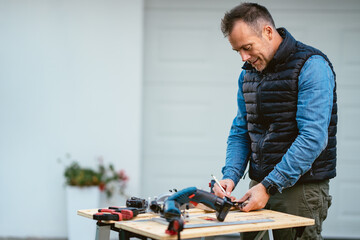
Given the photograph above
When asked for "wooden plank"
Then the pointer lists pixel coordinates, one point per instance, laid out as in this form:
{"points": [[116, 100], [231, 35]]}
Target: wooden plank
{"points": [[157, 230], [88, 213]]}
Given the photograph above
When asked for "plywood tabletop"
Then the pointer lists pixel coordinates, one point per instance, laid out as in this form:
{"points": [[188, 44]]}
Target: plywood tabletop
{"points": [[156, 230], [143, 225]]}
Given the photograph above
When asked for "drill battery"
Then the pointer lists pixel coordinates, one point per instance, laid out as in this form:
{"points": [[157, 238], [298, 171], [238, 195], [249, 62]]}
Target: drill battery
{"points": [[137, 203]]}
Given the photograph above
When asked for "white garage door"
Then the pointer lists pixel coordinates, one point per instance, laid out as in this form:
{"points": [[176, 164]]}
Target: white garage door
{"points": [[190, 84]]}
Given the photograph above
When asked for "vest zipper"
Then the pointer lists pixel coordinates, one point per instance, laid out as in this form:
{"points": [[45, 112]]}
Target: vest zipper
{"points": [[260, 145], [258, 100], [261, 117]]}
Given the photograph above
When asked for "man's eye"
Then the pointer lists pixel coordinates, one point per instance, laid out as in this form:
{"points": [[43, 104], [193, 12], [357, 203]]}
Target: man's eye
{"points": [[247, 48]]}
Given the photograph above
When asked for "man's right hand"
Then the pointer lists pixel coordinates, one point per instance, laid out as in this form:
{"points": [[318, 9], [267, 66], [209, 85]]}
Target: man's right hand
{"points": [[228, 185]]}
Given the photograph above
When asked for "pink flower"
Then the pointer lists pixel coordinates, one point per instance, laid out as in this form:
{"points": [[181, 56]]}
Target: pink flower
{"points": [[102, 186], [122, 175]]}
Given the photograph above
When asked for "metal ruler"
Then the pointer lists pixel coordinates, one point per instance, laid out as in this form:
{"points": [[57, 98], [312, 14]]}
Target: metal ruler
{"points": [[214, 224]]}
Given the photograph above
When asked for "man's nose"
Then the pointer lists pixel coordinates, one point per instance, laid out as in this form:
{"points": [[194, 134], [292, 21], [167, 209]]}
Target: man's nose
{"points": [[245, 56]]}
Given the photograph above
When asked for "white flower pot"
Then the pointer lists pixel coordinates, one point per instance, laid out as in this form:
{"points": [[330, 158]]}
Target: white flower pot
{"points": [[79, 198]]}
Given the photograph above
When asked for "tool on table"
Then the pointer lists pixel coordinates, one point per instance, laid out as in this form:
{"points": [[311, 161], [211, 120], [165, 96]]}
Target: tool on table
{"points": [[172, 206], [118, 214], [127, 213], [195, 196], [138, 210], [106, 216], [134, 207], [137, 203], [157, 205]]}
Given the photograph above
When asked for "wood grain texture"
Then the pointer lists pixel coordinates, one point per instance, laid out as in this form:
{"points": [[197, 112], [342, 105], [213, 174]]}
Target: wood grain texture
{"points": [[156, 230]]}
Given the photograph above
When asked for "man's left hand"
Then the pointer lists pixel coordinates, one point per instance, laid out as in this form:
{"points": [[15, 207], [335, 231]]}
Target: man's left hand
{"points": [[256, 198]]}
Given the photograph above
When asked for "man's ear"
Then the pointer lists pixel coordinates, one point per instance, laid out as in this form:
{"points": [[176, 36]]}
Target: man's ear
{"points": [[268, 32]]}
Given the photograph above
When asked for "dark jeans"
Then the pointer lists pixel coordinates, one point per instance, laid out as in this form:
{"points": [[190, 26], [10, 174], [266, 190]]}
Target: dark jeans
{"points": [[311, 200]]}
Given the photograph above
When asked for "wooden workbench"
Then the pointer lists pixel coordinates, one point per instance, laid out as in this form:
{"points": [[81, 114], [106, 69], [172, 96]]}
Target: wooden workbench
{"points": [[143, 225]]}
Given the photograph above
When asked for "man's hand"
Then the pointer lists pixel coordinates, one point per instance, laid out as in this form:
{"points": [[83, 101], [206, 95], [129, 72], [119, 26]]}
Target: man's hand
{"points": [[256, 198], [228, 185]]}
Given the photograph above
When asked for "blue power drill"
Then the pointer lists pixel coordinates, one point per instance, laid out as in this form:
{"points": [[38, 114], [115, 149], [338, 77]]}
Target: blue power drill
{"points": [[192, 194], [172, 213]]}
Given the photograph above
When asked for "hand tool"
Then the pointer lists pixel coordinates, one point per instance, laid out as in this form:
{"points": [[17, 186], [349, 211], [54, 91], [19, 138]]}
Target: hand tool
{"points": [[114, 216], [137, 203], [243, 204], [127, 213], [138, 210]]}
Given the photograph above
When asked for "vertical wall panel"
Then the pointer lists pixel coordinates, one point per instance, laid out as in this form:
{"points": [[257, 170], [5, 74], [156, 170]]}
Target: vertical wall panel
{"points": [[191, 69]]}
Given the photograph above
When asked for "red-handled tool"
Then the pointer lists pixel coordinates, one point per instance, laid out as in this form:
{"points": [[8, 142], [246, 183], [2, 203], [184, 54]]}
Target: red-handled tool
{"points": [[127, 213], [106, 216], [134, 209]]}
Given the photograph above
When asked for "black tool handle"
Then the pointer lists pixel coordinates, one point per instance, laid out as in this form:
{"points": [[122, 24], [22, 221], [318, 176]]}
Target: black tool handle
{"points": [[208, 199], [114, 216]]}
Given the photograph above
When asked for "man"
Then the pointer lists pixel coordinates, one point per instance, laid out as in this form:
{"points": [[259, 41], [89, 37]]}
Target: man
{"points": [[286, 121]]}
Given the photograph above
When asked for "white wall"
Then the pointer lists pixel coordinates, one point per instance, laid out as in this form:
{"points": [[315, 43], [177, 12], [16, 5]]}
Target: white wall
{"points": [[70, 82], [190, 84]]}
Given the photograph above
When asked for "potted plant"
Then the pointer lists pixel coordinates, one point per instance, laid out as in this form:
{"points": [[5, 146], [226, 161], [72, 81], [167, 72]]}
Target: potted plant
{"points": [[83, 191], [106, 178]]}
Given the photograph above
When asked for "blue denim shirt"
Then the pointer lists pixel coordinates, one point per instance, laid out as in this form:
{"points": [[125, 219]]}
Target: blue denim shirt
{"points": [[315, 100]]}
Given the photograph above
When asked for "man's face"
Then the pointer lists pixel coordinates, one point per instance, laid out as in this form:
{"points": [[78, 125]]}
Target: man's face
{"points": [[254, 48]]}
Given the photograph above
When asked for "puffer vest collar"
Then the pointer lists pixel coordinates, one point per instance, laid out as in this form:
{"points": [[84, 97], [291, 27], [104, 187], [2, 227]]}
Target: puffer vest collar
{"points": [[286, 48]]}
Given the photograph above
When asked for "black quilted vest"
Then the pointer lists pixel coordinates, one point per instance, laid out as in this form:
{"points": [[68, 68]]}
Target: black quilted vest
{"points": [[271, 104]]}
